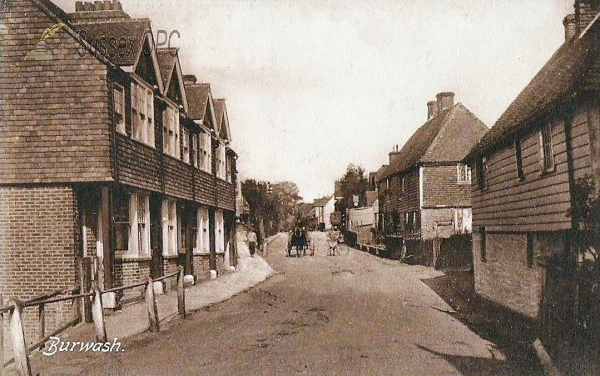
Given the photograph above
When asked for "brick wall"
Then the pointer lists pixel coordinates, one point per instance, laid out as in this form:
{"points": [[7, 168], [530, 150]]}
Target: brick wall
{"points": [[171, 265], [38, 247], [131, 271], [437, 222], [441, 187], [201, 268], [505, 278]]}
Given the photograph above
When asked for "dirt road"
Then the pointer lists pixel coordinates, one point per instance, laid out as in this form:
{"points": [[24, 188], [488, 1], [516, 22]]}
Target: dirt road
{"points": [[321, 315]]}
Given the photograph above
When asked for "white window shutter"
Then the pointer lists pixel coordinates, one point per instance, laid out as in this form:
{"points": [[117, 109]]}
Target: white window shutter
{"points": [[541, 149]]}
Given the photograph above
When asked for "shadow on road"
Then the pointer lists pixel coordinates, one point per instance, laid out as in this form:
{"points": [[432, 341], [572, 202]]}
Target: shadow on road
{"points": [[471, 366], [512, 333]]}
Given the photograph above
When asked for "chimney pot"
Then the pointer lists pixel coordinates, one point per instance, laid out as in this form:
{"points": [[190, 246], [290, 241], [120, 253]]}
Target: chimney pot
{"points": [[78, 6], [98, 5], [445, 100], [88, 6], [108, 5], [117, 5]]}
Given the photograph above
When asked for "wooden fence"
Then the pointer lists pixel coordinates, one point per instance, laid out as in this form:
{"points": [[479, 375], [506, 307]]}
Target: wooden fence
{"points": [[14, 309]]}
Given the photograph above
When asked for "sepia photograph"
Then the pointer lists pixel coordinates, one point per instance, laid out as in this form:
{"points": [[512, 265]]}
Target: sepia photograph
{"points": [[300, 187]]}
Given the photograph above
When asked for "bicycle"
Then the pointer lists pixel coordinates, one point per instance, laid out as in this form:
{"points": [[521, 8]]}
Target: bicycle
{"points": [[341, 249]]}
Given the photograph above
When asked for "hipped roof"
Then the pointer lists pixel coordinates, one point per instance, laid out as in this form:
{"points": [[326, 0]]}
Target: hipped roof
{"points": [[447, 137]]}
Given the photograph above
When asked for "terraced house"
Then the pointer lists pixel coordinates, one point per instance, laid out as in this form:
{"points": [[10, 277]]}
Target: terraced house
{"points": [[107, 155], [528, 169]]}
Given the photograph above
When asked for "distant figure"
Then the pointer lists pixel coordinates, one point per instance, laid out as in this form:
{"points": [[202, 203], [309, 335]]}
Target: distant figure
{"points": [[334, 237], [252, 242]]}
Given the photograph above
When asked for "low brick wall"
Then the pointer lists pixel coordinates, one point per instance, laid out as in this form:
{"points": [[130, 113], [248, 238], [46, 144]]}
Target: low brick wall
{"points": [[130, 271], [38, 249]]}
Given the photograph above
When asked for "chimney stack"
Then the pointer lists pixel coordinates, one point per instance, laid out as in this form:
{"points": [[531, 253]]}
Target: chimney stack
{"points": [[570, 23], [585, 12], [431, 109], [394, 152], [97, 6], [445, 100]]}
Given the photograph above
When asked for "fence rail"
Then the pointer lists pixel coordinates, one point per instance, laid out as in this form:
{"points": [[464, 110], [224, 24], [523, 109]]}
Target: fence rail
{"points": [[15, 307]]}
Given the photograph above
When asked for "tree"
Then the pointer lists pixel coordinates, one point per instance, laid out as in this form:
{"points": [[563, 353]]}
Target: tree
{"points": [[272, 206], [353, 183], [285, 197]]}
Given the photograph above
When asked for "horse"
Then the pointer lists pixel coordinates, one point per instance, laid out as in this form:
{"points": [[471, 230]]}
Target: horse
{"points": [[296, 241]]}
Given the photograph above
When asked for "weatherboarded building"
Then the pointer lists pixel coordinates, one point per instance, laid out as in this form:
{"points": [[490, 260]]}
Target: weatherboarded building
{"points": [[106, 162], [526, 172]]}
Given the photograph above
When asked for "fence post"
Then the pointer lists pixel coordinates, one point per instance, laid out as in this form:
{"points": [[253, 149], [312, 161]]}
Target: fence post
{"points": [[98, 316], [18, 339], [152, 309], [180, 293], [42, 321], [1, 336]]}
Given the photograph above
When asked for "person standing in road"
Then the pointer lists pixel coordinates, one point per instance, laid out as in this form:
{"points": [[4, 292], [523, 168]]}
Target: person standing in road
{"points": [[252, 242]]}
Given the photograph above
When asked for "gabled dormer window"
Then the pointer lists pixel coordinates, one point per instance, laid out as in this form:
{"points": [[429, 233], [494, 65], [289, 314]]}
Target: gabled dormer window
{"points": [[142, 113], [119, 108], [171, 131]]}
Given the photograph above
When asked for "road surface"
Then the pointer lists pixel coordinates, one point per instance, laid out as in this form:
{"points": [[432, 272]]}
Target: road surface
{"points": [[322, 315]]}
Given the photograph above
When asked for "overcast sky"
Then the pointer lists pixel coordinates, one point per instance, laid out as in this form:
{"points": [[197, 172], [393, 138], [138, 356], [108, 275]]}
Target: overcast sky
{"points": [[312, 86]]}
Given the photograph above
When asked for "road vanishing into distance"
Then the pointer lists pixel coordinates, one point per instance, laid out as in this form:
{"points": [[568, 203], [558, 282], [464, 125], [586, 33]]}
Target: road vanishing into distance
{"points": [[322, 315]]}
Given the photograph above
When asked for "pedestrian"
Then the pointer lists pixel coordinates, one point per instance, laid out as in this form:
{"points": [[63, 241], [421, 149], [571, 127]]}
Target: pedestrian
{"points": [[252, 241], [333, 240]]}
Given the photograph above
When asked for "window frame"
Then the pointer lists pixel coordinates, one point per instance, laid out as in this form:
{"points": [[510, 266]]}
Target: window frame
{"points": [[138, 237], [482, 170], [463, 173], [546, 152], [142, 113], [169, 224], [185, 145], [519, 159], [119, 118], [171, 131], [205, 151]]}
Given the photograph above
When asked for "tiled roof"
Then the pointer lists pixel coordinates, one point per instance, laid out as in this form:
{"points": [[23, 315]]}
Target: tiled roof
{"points": [[167, 58], [219, 105], [572, 65], [447, 137], [132, 31], [197, 97]]}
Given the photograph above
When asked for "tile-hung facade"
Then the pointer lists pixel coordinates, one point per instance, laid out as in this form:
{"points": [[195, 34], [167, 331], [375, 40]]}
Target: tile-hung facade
{"points": [[105, 156], [425, 189], [525, 171]]}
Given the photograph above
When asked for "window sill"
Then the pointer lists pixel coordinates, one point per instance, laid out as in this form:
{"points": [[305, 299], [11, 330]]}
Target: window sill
{"points": [[201, 253], [549, 171], [132, 258], [169, 257]]}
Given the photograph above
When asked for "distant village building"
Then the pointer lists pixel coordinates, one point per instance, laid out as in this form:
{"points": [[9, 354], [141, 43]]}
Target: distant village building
{"points": [[424, 192], [527, 169], [115, 162], [323, 208]]}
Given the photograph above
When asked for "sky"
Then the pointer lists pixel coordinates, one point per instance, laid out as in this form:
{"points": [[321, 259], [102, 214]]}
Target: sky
{"points": [[312, 86]]}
